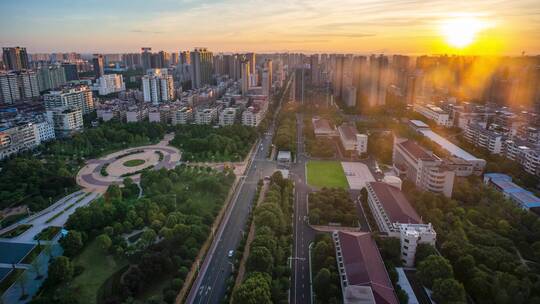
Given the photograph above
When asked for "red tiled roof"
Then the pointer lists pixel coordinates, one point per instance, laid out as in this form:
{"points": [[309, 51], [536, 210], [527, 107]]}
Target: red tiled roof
{"points": [[396, 205], [416, 151], [365, 267]]}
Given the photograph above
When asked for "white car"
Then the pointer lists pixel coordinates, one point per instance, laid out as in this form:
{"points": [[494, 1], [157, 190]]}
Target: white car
{"points": [[231, 253]]}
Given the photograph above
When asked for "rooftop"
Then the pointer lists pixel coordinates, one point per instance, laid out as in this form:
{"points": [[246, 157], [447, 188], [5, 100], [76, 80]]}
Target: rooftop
{"points": [[448, 146], [395, 204], [364, 266], [418, 123], [416, 150], [349, 131]]}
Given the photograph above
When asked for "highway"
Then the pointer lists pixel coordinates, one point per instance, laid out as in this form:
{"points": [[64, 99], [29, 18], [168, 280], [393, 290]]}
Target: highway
{"points": [[303, 234], [211, 283]]}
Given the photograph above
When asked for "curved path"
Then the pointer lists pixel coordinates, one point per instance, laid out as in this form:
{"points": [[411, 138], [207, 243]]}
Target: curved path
{"points": [[90, 177]]}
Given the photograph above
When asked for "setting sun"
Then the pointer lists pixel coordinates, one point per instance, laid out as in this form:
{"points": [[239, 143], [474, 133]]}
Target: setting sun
{"points": [[460, 32]]}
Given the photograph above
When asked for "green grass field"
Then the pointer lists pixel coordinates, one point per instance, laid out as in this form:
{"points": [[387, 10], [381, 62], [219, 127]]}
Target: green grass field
{"points": [[326, 174], [97, 268], [134, 162]]}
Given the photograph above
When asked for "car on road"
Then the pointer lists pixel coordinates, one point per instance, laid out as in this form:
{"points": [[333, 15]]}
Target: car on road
{"points": [[231, 253]]}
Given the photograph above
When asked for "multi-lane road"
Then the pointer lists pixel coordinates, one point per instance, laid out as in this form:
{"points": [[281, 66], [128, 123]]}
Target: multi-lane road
{"points": [[303, 234], [211, 283]]}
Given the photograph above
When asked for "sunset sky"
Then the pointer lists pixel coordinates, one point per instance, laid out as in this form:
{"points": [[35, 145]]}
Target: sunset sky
{"points": [[378, 26]]}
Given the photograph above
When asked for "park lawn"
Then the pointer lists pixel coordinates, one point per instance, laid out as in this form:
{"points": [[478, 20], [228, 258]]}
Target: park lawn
{"points": [[97, 269], [134, 162], [326, 174]]}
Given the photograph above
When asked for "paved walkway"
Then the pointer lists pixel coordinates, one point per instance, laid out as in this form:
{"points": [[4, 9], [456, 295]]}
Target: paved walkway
{"points": [[56, 215], [90, 177]]}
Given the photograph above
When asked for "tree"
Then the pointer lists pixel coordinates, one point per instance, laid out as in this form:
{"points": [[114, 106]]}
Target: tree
{"points": [[254, 290], [432, 268], [321, 282], [448, 291], [104, 242], [72, 243], [113, 193], [60, 270], [261, 260], [423, 250]]}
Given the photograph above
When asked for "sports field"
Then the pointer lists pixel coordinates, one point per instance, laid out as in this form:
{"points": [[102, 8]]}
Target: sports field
{"points": [[326, 174]]}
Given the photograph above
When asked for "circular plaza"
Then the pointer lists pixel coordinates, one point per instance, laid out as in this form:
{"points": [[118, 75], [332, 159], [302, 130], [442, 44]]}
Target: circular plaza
{"points": [[111, 169]]}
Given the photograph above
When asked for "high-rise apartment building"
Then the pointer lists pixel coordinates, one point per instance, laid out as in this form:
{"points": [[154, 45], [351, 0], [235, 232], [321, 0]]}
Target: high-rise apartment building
{"points": [[99, 65], [70, 69], [158, 86], [245, 76], [18, 85], [378, 78], [15, 58], [110, 83], [80, 98], [299, 83], [146, 58], [65, 120], [338, 75], [9, 88], [51, 77], [201, 67], [267, 77]]}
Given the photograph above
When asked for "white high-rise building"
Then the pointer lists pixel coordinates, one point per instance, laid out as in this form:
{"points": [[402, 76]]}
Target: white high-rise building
{"points": [[227, 117], [182, 116], [17, 138], [206, 116], [110, 83], [80, 97], [65, 120], [44, 131], [158, 86]]}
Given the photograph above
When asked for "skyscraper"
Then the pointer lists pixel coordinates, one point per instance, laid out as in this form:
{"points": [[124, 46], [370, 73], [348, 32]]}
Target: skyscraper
{"points": [[315, 69], [158, 86], [378, 78], [338, 75], [71, 71], [99, 69], [267, 77], [245, 76], [185, 57], [50, 77], [146, 58], [201, 67], [299, 84], [15, 58]]}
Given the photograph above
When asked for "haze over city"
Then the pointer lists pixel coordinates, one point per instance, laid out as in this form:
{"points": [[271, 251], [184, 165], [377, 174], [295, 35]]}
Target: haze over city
{"points": [[405, 27]]}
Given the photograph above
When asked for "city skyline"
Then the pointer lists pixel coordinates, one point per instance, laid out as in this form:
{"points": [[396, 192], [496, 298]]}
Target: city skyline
{"points": [[407, 27]]}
